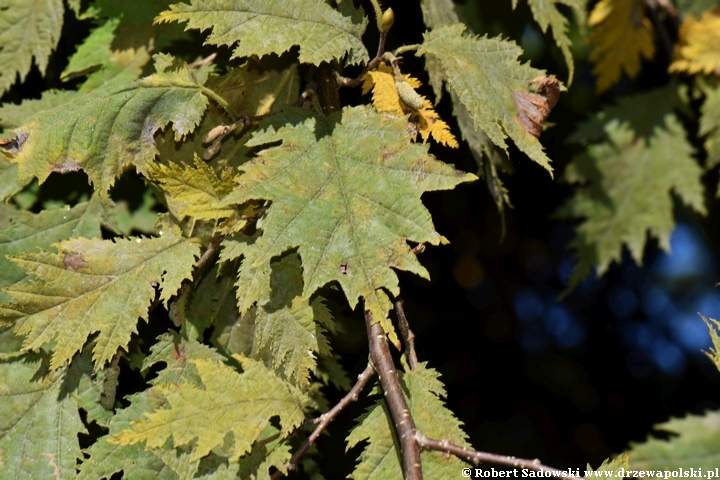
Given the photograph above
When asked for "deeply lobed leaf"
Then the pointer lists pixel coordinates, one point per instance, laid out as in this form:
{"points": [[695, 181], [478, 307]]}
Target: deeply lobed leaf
{"points": [[353, 214], [93, 286], [261, 27], [627, 181]]}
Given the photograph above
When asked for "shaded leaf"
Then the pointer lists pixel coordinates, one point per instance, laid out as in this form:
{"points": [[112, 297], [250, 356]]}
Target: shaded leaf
{"points": [[622, 36], [94, 286], [381, 458], [547, 14], [239, 404], [28, 29], [710, 126], [134, 461], [357, 208], [627, 180], [437, 13], [9, 183], [39, 422], [178, 356], [694, 444], [322, 32], [484, 72], [698, 50], [106, 131]]}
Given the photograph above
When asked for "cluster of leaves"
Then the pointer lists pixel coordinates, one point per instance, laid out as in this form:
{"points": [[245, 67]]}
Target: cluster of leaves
{"points": [[262, 199]]}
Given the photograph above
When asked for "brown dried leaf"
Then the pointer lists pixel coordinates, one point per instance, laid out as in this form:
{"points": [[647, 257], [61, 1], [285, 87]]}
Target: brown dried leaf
{"points": [[533, 108]]}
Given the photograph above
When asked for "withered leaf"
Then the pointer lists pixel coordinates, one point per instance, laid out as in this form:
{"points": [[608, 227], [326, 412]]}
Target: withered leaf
{"points": [[533, 108]]}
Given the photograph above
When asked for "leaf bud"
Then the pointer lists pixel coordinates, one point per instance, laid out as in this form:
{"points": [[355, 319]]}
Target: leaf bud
{"points": [[388, 18]]}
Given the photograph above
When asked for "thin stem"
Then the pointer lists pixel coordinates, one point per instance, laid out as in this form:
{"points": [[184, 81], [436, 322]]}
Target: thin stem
{"points": [[406, 48], [476, 457], [220, 101], [203, 61], [404, 424], [324, 420], [407, 334]]}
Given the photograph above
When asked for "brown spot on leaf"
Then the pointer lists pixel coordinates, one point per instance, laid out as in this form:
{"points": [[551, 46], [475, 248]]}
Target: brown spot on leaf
{"points": [[74, 261], [13, 145], [344, 268], [533, 108], [66, 166]]}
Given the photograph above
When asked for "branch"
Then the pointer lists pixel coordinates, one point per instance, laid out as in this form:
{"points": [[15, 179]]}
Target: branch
{"points": [[476, 457], [203, 61], [324, 420], [404, 424], [407, 334]]}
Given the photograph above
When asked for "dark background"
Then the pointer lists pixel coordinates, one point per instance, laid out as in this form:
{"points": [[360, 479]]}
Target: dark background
{"points": [[568, 382]]}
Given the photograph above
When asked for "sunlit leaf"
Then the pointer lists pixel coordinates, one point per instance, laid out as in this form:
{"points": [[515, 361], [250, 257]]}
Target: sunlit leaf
{"points": [[93, 286], [484, 73], [698, 50], [322, 32], [354, 212]]}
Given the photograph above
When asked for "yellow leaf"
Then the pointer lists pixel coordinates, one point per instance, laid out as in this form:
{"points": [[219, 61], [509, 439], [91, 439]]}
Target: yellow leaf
{"points": [[698, 50], [386, 99], [622, 36]]}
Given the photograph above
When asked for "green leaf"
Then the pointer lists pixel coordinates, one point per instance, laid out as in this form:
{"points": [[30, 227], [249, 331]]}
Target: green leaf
{"points": [[322, 32], [484, 72], [108, 130], [94, 286], [237, 404], [625, 193], [178, 355], [9, 183], [353, 214], [134, 461], [39, 422], [381, 458], [29, 231], [86, 386], [290, 328], [614, 466], [93, 53], [12, 116], [710, 126], [547, 14], [694, 444], [28, 28], [437, 13]]}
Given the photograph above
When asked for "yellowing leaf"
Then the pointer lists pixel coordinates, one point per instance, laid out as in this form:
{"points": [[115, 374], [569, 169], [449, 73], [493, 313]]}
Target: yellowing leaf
{"points": [[626, 182], [237, 404], [386, 99], [698, 50], [484, 72], [622, 36], [28, 28], [107, 130], [39, 423], [354, 212], [322, 32], [93, 286], [196, 192], [380, 460], [694, 444]]}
